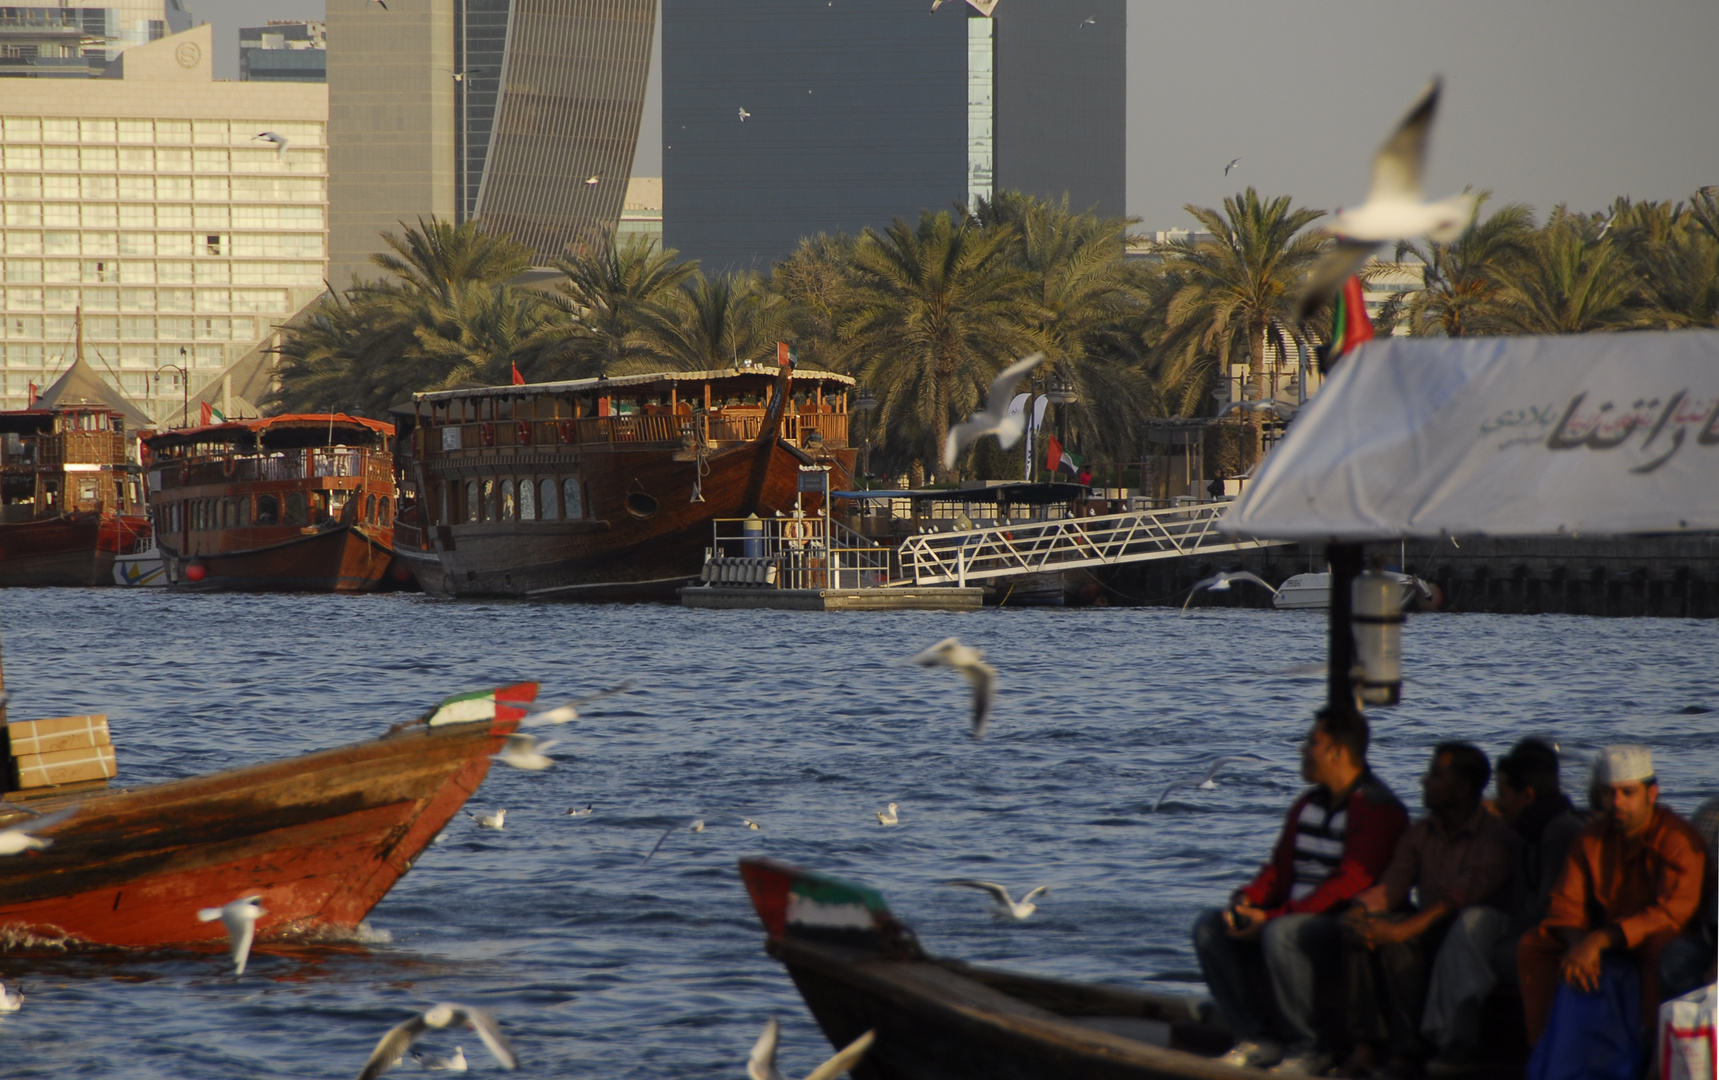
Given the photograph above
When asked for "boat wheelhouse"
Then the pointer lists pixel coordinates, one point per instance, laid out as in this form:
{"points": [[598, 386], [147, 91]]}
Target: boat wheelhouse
{"points": [[601, 488], [284, 503]]}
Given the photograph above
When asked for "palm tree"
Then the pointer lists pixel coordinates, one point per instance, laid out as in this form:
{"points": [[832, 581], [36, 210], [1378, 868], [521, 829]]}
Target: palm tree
{"points": [[817, 281], [712, 322], [437, 258], [1231, 296], [1675, 257], [1571, 282], [1458, 294], [483, 334], [611, 296], [939, 310]]}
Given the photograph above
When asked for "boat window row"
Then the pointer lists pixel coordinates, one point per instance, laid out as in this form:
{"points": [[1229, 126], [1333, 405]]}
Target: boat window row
{"points": [[291, 508], [506, 498]]}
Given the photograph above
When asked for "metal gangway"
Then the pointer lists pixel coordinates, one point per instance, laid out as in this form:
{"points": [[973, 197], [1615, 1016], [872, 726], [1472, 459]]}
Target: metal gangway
{"points": [[961, 556]]}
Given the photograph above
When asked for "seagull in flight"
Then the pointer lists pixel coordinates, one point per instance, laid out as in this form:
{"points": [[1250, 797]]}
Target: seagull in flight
{"points": [[240, 918], [743, 114], [1284, 411], [762, 1064], [525, 752], [1220, 582], [887, 816], [489, 821], [996, 419], [1088, 21], [455, 1062], [690, 825], [1003, 905], [570, 711], [18, 838], [1233, 163], [592, 181], [1205, 782], [1395, 208], [383, 4], [280, 142], [950, 653], [582, 811], [10, 1002], [445, 1015]]}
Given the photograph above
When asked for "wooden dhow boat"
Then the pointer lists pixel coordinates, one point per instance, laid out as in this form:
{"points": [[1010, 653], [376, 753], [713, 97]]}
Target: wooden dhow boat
{"points": [[606, 488], [297, 503], [320, 838]]}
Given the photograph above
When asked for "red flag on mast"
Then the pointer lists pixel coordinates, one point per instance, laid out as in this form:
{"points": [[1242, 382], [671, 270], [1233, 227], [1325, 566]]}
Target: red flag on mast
{"points": [[518, 379], [1350, 325]]}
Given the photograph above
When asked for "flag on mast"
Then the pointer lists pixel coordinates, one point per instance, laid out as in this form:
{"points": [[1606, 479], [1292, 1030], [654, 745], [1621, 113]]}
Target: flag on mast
{"points": [[1056, 458], [518, 379], [1349, 323]]}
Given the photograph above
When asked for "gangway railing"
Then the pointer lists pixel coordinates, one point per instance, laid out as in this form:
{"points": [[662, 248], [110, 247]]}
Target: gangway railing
{"points": [[794, 553], [974, 555]]}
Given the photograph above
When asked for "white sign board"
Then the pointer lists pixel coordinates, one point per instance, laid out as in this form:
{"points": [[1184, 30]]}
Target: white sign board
{"points": [[451, 437], [1600, 434]]}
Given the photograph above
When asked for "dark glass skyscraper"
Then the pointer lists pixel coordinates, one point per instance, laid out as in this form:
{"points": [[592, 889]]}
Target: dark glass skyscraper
{"points": [[861, 112]]}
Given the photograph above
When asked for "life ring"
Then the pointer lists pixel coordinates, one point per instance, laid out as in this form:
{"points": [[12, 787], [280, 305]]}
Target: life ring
{"points": [[229, 466], [566, 430], [524, 433], [796, 531], [486, 432]]}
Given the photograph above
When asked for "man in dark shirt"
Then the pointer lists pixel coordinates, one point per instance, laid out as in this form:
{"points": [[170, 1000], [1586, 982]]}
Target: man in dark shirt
{"points": [[1456, 857], [1336, 839]]}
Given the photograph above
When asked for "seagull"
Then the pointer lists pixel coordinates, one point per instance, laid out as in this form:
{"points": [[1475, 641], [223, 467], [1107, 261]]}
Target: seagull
{"points": [[970, 662], [750, 824], [592, 181], [995, 420], [455, 1062], [525, 752], [18, 838], [1220, 582], [489, 821], [1395, 208], [1088, 21], [445, 1015], [887, 816], [383, 4], [762, 1064], [570, 711], [1282, 410], [240, 918], [1205, 782], [582, 811], [1003, 904], [1233, 163], [743, 114], [280, 142], [11, 1002], [691, 825]]}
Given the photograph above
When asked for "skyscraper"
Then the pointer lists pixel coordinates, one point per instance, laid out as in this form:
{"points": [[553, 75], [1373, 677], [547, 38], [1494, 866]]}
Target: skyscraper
{"points": [[61, 42], [521, 114], [284, 51], [858, 113]]}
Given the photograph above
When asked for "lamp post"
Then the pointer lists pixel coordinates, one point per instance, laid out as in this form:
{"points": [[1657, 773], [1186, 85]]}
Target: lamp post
{"points": [[864, 402], [184, 388]]}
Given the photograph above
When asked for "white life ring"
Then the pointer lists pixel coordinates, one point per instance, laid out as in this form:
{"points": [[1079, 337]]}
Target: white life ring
{"points": [[796, 531]]}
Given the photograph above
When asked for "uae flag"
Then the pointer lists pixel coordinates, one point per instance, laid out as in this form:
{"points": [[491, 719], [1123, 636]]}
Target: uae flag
{"points": [[1057, 458], [785, 357], [1349, 323], [212, 415], [503, 703]]}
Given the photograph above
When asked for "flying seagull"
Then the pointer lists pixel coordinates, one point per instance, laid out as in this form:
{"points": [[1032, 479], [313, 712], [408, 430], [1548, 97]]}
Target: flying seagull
{"points": [[690, 825], [593, 181], [743, 114], [570, 711], [280, 142], [1395, 208], [1231, 165], [1204, 782], [240, 918], [762, 1064], [383, 4], [1088, 21], [455, 1062], [1003, 904], [445, 1015], [489, 821], [1284, 411], [1220, 582], [995, 420], [525, 752], [18, 838], [970, 662], [887, 816]]}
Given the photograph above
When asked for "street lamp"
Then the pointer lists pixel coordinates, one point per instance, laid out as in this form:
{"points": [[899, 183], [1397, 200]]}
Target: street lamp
{"points": [[184, 388], [864, 402]]}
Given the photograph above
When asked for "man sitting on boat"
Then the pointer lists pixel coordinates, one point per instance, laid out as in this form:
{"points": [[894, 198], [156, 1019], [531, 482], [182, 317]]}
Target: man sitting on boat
{"points": [[1630, 886], [1336, 840], [1458, 859]]}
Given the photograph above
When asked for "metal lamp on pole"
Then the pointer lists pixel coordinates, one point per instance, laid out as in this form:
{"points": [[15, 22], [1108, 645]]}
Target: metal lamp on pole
{"points": [[864, 402], [184, 389]]}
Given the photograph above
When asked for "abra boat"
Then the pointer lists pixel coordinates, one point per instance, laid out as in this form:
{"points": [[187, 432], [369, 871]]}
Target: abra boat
{"points": [[1312, 592], [320, 838], [298, 503], [603, 488]]}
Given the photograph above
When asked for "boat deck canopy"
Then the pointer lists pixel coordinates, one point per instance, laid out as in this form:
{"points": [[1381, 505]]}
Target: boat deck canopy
{"points": [[1584, 434], [286, 432], [659, 382]]}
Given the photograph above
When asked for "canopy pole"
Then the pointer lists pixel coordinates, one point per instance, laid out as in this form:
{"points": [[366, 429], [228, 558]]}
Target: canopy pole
{"points": [[1345, 561]]}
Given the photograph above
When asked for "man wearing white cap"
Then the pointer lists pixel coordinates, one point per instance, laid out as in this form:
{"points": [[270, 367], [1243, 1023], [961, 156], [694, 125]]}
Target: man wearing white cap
{"points": [[1631, 884]]}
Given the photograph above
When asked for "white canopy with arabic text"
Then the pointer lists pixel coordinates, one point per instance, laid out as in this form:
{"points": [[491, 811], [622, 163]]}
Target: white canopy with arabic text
{"points": [[1604, 434]]}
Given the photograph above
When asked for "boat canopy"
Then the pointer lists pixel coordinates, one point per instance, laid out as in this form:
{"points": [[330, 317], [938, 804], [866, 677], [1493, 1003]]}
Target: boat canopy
{"points": [[1591, 434], [659, 381], [286, 432]]}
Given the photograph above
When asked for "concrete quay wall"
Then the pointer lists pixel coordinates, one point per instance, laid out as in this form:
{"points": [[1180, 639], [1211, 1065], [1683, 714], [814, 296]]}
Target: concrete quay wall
{"points": [[1671, 576]]}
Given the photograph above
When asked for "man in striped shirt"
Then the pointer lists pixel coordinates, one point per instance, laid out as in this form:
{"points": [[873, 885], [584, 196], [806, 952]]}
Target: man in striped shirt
{"points": [[1335, 842]]}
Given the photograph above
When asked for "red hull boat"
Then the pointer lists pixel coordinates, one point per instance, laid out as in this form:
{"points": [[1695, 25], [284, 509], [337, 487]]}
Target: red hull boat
{"points": [[70, 549]]}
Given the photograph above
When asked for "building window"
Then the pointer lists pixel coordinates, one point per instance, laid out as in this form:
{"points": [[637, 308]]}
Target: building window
{"points": [[212, 244]]}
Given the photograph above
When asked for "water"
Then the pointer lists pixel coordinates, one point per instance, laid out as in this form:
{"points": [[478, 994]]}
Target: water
{"points": [[601, 967]]}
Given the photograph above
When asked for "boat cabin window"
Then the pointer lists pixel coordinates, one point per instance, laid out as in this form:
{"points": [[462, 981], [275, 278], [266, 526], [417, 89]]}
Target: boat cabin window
{"points": [[239, 512], [268, 509], [87, 490], [507, 506], [489, 506], [527, 500], [370, 509], [547, 490], [337, 503], [473, 503], [572, 500], [384, 512], [295, 508]]}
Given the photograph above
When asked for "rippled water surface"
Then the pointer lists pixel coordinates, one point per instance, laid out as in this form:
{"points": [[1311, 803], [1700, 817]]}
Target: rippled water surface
{"points": [[601, 967]]}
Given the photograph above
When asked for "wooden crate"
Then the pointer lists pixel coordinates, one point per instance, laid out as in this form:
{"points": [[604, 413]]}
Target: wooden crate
{"points": [[60, 750]]}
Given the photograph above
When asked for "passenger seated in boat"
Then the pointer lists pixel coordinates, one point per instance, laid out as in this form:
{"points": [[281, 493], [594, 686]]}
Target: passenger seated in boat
{"points": [[1688, 961], [1630, 885], [1458, 859], [1336, 839], [1479, 950]]}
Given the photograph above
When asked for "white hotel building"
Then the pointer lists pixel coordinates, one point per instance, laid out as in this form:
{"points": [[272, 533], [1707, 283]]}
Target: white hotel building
{"points": [[148, 203]]}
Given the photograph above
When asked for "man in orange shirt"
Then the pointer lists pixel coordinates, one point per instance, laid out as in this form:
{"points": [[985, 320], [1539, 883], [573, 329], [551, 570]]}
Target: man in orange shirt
{"points": [[1631, 884]]}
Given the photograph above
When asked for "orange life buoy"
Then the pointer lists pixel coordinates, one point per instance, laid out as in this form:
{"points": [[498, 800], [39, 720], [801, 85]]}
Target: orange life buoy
{"points": [[525, 433], [565, 429], [797, 531], [229, 466], [486, 431]]}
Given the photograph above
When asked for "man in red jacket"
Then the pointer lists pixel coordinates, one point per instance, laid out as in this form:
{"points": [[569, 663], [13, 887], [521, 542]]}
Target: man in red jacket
{"points": [[1336, 841]]}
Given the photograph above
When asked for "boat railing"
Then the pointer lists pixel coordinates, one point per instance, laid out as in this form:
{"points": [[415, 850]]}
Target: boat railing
{"points": [[794, 553], [628, 428], [335, 462], [81, 448]]}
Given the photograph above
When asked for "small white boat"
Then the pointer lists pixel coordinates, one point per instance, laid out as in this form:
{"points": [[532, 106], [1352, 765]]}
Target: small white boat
{"points": [[140, 568], [1312, 592]]}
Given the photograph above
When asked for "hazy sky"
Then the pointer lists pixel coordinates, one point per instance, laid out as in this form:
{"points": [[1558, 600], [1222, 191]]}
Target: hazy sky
{"points": [[1545, 101]]}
